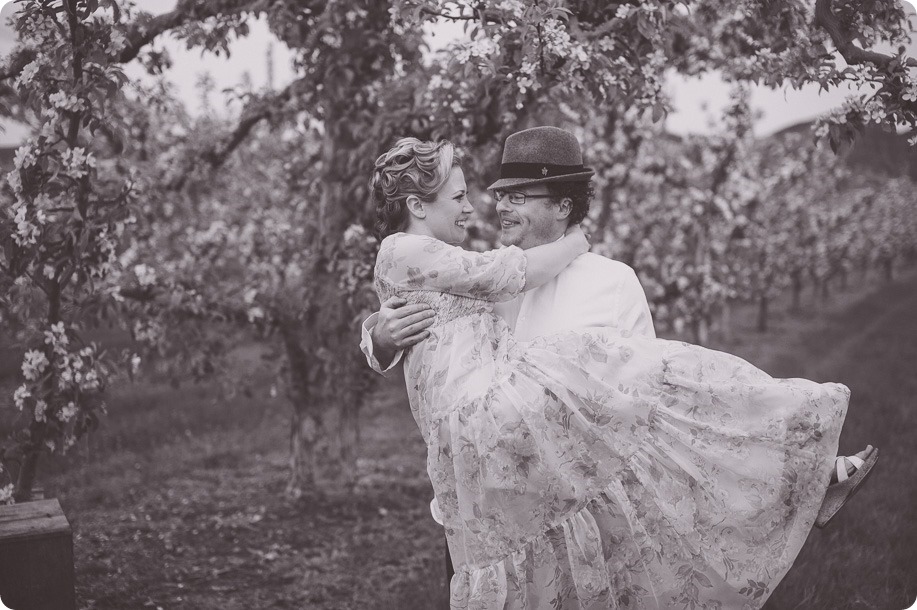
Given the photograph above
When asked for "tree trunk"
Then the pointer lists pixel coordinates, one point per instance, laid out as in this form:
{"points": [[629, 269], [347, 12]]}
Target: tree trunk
{"points": [[306, 425], [762, 313], [26, 479], [303, 455]]}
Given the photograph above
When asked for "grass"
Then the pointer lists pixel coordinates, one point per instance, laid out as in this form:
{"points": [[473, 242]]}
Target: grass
{"points": [[177, 501]]}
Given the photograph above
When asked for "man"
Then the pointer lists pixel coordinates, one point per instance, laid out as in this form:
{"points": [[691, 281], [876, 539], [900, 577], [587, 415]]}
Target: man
{"points": [[543, 189]]}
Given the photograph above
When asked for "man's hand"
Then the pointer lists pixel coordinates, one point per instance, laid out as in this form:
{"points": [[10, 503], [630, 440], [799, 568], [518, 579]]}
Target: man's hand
{"points": [[399, 326]]}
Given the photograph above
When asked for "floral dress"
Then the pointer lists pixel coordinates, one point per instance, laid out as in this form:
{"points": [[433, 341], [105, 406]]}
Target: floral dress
{"points": [[596, 469]]}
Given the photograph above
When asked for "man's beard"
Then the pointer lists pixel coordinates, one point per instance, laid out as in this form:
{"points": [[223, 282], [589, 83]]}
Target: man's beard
{"points": [[510, 239]]}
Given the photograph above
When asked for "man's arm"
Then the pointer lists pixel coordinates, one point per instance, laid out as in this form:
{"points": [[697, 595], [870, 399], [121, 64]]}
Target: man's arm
{"points": [[633, 309], [394, 328]]}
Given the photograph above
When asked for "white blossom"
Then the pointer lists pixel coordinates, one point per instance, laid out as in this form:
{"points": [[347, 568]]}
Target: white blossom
{"points": [[62, 101], [146, 275], [28, 73], [910, 94], [15, 181], [25, 156], [34, 364], [68, 412], [20, 395], [40, 408], [514, 7], [76, 161], [89, 382], [26, 231], [57, 338], [116, 44], [6, 494], [255, 313]]}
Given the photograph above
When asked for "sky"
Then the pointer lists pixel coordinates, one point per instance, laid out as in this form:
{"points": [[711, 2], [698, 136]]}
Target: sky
{"points": [[697, 100]]}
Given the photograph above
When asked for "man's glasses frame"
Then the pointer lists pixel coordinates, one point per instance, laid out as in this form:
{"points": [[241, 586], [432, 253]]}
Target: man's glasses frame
{"points": [[517, 198]]}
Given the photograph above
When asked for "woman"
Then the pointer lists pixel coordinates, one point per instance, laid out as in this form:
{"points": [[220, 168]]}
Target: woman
{"points": [[593, 469]]}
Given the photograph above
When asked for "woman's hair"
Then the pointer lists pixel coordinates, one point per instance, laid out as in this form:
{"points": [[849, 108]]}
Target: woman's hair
{"points": [[411, 167]]}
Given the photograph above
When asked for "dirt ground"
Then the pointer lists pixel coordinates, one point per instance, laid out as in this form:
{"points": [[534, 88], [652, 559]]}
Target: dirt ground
{"points": [[177, 501]]}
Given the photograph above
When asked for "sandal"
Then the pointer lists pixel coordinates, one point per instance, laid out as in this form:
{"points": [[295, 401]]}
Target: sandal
{"points": [[847, 485]]}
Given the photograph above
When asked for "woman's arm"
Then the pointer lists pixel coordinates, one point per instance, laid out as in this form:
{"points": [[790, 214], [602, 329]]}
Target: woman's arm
{"points": [[545, 262], [417, 262]]}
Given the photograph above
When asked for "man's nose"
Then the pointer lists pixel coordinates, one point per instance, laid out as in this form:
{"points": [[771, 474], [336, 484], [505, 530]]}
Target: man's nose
{"points": [[503, 205]]}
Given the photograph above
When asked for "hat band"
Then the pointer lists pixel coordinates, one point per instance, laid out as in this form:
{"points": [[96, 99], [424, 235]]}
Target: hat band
{"points": [[538, 170]]}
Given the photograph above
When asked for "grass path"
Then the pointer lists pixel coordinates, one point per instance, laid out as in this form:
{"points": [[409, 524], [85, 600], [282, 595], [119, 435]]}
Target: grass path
{"points": [[867, 557], [180, 503]]}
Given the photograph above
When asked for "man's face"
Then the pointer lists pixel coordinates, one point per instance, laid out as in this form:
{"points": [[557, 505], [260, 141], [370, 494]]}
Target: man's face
{"points": [[533, 223]]}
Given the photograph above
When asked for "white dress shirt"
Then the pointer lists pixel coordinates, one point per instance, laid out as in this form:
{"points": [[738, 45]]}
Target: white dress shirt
{"points": [[592, 292]]}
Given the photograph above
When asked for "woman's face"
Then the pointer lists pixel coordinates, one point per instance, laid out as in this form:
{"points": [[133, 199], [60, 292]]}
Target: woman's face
{"points": [[446, 215]]}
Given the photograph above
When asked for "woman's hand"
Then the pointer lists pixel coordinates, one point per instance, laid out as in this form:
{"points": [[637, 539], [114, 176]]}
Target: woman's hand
{"points": [[578, 237]]}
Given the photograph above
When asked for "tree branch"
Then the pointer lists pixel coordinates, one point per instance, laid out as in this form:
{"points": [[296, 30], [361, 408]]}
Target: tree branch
{"points": [[140, 35], [18, 62], [217, 312], [852, 54], [143, 32], [257, 111]]}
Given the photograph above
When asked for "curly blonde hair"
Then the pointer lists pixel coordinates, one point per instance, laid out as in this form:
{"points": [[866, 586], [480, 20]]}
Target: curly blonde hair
{"points": [[411, 167]]}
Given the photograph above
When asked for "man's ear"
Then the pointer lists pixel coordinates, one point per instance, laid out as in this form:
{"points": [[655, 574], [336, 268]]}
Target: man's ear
{"points": [[564, 208], [415, 206]]}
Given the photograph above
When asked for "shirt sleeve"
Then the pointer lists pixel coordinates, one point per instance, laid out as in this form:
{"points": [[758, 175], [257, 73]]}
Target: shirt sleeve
{"points": [[633, 309], [366, 346], [417, 262]]}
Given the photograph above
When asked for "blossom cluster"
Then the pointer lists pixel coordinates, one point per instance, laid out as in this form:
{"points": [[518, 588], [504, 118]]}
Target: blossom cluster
{"points": [[60, 380]]}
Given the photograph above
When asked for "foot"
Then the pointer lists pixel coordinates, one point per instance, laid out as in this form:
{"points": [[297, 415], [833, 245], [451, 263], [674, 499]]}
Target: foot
{"points": [[851, 468]]}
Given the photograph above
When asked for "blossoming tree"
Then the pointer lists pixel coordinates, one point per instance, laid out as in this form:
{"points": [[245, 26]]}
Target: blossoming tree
{"points": [[79, 245]]}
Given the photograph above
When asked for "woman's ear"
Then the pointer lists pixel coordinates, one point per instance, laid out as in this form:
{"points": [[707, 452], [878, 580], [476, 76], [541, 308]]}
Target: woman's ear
{"points": [[564, 208], [415, 206]]}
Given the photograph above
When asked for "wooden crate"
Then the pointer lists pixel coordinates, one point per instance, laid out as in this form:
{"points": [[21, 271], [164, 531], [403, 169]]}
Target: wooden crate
{"points": [[36, 557]]}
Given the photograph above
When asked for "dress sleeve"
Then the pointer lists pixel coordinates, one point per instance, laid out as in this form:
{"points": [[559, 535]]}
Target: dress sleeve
{"points": [[416, 262]]}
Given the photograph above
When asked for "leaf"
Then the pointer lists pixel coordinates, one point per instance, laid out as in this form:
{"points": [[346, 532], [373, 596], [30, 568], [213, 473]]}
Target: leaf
{"points": [[702, 579]]}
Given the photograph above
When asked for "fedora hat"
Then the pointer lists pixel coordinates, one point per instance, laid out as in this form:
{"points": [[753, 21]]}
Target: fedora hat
{"points": [[539, 155]]}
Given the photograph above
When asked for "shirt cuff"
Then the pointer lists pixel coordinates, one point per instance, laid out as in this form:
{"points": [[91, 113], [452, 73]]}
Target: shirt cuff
{"points": [[366, 346], [434, 510]]}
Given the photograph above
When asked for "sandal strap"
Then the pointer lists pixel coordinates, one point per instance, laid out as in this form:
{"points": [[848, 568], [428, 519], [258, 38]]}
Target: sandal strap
{"points": [[856, 461], [841, 469]]}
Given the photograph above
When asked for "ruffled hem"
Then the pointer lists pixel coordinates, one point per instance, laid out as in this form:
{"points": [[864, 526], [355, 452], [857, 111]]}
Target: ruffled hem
{"points": [[563, 564], [611, 554]]}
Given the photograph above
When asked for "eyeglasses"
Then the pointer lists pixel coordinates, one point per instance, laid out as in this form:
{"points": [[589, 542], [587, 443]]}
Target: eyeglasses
{"points": [[517, 198]]}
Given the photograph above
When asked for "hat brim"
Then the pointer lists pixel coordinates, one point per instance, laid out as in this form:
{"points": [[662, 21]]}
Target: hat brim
{"points": [[503, 183]]}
